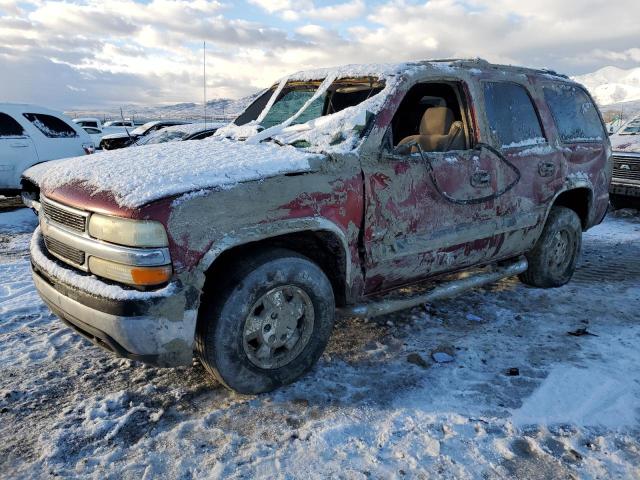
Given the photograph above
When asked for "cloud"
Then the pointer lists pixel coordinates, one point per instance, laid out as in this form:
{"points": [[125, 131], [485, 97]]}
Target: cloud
{"points": [[306, 9], [70, 53]]}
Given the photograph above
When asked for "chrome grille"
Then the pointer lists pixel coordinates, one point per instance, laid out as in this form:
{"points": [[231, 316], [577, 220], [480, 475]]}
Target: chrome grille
{"points": [[64, 217], [627, 168], [66, 252]]}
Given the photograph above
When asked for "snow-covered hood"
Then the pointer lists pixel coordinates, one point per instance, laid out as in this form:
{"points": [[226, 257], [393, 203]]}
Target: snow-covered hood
{"points": [[136, 176], [625, 143]]}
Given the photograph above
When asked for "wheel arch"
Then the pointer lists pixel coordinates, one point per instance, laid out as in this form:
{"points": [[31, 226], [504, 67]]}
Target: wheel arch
{"points": [[319, 239], [580, 200], [577, 194]]}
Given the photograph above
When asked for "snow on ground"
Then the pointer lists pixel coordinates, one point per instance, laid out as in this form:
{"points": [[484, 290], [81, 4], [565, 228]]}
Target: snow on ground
{"points": [[376, 406]]}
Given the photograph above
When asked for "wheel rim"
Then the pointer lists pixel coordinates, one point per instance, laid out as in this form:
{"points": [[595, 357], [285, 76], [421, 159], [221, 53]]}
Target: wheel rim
{"points": [[278, 327], [561, 251]]}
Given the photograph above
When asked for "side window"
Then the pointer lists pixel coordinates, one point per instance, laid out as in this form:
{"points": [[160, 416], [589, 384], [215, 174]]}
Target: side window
{"points": [[512, 117], [9, 127], [433, 116], [51, 126], [575, 114]]}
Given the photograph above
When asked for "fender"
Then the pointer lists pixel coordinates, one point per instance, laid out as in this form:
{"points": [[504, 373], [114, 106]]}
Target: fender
{"points": [[274, 229], [573, 182]]}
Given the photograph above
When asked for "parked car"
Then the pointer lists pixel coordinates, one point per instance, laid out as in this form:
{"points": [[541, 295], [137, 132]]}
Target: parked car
{"points": [[121, 124], [30, 134], [625, 184], [177, 133], [333, 189], [93, 126], [88, 122], [121, 140]]}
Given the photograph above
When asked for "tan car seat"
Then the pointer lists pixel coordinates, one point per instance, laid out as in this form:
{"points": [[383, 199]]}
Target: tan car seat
{"points": [[438, 131]]}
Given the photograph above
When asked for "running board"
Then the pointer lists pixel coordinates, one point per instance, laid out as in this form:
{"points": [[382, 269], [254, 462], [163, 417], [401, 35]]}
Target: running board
{"points": [[443, 290]]}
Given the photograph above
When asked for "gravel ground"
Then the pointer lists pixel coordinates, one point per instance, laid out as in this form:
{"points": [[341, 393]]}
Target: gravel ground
{"points": [[520, 397]]}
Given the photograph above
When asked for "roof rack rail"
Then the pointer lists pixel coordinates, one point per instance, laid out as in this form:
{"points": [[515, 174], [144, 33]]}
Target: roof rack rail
{"points": [[552, 72]]}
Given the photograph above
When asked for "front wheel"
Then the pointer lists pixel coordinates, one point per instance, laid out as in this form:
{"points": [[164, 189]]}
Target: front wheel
{"points": [[269, 324], [552, 261]]}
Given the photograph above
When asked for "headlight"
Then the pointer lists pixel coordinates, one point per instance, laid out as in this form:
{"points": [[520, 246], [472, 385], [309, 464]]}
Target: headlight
{"points": [[140, 276], [124, 231]]}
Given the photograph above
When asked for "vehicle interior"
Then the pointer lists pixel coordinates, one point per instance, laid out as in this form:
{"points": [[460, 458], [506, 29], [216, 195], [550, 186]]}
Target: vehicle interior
{"points": [[434, 116], [343, 93]]}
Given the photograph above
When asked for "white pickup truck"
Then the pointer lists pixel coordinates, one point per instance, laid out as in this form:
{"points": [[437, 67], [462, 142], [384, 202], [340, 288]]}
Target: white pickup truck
{"points": [[30, 134]]}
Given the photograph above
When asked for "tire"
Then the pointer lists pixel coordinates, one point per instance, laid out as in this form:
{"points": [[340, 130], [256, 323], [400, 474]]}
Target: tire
{"points": [[552, 261], [265, 294]]}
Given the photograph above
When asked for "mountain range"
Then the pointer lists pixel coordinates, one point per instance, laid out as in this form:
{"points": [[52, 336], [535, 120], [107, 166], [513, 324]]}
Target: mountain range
{"points": [[615, 90]]}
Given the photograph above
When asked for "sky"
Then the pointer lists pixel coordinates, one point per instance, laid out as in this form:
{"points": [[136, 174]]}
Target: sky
{"points": [[70, 54]]}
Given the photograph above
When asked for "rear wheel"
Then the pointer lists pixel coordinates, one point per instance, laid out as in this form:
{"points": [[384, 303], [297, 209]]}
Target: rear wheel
{"points": [[269, 324], [552, 261]]}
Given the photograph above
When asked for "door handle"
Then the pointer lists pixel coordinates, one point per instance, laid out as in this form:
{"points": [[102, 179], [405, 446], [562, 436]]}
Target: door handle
{"points": [[546, 169], [19, 145], [480, 178]]}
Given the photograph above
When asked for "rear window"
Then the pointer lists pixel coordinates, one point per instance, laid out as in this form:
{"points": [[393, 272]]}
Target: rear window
{"points": [[51, 126], [512, 117], [87, 123], [575, 114], [9, 127]]}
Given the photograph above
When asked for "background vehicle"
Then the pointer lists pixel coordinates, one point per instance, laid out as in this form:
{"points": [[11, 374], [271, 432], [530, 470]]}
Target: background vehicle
{"points": [[120, 124], [88, 122], [192, 131], [32, 177], [120, 140], [30, 134], [323, 194], [625, 184]]}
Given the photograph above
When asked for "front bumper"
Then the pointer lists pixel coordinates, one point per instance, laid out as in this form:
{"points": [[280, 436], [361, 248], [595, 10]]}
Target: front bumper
{"points": [[153, 327], [624, 188], [626, 174]]}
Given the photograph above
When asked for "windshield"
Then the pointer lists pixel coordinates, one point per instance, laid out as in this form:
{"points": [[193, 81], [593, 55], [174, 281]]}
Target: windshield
{"points": [[143, 129], [289, 104], [309, 113], [161, 137], [631, 130]]}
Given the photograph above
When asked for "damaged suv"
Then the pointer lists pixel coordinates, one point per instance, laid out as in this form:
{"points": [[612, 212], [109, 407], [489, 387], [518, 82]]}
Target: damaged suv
{"points": [[330, 192]]}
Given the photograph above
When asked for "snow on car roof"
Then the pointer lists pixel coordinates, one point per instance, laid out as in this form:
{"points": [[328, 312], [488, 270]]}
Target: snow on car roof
{"points": [[340, 132], [19, 108], [139, 175], [85, 119]]}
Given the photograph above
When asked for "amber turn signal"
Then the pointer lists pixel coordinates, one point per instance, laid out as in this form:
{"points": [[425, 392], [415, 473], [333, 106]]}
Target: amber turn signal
{"points": [[129, 274], [151, 275]]}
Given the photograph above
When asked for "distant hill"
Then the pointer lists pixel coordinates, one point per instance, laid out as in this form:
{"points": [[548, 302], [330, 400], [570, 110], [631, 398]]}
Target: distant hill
{"points": [[219, 109], [612, 85], [616, 90]]}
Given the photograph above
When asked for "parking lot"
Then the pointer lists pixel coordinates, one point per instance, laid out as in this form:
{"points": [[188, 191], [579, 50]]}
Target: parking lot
{"points": [[522, 397]]}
